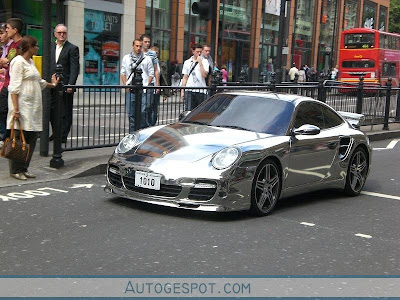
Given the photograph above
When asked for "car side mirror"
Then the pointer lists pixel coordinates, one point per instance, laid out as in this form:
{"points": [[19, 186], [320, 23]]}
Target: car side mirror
{"points": [[184, 114], [306, 129]]}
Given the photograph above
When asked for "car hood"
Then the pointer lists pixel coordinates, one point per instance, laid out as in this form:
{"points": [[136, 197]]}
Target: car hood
{"points": [[192, 142]]}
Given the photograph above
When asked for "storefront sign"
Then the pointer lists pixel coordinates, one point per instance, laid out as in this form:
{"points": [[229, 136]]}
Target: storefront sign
{"points": [[102, 47]]}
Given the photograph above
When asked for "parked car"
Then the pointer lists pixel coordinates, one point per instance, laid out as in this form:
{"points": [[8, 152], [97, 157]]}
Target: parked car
{"points": [[242, 151]]}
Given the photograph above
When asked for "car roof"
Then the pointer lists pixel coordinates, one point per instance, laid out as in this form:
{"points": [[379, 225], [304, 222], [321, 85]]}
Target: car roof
{"points": [[295, 99]]}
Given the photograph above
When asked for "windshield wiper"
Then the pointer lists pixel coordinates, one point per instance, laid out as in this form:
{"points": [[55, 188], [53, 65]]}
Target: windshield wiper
{"points": [[233, 127]]}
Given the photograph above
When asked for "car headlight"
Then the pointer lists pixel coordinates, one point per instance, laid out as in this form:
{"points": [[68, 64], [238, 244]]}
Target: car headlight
{"points": [[127, 143], [225, 158]]}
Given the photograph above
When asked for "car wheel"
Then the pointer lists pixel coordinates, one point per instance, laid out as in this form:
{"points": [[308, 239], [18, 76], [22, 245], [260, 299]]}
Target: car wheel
{"points": [[356, 173], [266, 188]]}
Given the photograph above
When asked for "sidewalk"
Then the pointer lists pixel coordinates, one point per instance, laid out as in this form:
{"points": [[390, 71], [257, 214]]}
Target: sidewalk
{"points": [[80, 163]]}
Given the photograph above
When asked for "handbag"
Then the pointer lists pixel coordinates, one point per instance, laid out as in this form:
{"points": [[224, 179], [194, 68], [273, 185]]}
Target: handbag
{"points": [[15, 148]]}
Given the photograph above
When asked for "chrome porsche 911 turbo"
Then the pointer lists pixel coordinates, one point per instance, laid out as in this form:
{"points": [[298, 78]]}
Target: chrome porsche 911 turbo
{"points": [[242, 151]]}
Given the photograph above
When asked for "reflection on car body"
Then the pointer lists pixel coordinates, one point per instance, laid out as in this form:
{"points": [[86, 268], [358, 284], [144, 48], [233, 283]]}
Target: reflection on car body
{"points": [[242, 151]]}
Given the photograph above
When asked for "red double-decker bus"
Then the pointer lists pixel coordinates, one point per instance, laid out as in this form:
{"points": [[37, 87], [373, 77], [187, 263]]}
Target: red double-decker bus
{"points": [[370, 53]]}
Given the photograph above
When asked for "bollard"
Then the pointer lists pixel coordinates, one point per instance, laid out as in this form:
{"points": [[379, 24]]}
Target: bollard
{"points": [[321, 90], [57, 161], [138, 89], [214, 83], [272, 83], [360, 88], [261, 77], [387, 104]]}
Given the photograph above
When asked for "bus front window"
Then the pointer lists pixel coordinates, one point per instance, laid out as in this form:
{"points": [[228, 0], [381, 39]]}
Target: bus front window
{"points": [[357, 64], [359, 40]]}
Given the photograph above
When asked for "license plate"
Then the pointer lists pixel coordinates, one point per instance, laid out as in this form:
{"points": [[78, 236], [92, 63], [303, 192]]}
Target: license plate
{"points": [[147, 180]]}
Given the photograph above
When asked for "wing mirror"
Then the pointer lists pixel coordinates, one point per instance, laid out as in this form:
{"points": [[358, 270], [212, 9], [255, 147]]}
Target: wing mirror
{"points": [[183, 115], [306, 129]]}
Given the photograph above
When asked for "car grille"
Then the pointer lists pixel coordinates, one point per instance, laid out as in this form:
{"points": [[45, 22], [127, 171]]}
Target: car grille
{"points": [[115, 179], [201, 194], [166, 190]]}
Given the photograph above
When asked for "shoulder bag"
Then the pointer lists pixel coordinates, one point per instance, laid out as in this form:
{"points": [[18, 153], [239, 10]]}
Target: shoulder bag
{"points": [[15, 148]]}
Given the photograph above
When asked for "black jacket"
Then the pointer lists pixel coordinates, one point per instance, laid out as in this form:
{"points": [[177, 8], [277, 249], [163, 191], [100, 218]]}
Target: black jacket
{"points": [[69, 59]]}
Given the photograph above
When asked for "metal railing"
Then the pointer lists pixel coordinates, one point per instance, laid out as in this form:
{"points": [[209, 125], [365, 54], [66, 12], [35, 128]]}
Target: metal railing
{"points": [[103, 115]]}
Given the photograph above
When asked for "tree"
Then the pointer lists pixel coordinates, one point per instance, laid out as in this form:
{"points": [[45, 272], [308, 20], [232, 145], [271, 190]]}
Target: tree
{"points": [[394, 16]]}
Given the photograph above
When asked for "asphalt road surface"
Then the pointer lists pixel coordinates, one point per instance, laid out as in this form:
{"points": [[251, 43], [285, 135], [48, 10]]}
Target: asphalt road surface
{"points": [[72, 227]]}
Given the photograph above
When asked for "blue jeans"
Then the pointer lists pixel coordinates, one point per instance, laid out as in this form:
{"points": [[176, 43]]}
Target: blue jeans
{"points": [[130, 110], [154, 109]]}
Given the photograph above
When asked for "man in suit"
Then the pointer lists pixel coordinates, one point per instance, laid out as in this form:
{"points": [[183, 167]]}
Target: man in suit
{"points": [[67, 55]]}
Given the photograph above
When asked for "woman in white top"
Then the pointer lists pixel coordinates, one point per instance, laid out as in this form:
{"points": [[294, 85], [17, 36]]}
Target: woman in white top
{"points": [[25, 101], [302, 75]]}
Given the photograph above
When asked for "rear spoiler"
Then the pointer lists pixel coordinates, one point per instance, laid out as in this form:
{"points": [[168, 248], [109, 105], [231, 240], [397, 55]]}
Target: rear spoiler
{"points": [[354, 119]]}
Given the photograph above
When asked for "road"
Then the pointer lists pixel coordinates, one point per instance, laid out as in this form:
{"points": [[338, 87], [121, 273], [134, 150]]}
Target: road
{"points": [[72, 227]]}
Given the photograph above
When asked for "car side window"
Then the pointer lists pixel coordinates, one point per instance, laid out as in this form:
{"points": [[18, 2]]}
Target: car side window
{"points": [[331, 118], [309, 113]]}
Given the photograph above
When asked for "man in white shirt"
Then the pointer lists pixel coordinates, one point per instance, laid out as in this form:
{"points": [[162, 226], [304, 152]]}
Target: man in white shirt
{"points": [[130, 62], [195, 70], [292, 72]]}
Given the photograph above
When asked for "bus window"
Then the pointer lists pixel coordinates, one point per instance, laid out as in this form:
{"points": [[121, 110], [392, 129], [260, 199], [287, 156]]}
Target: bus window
{"points": [[358, 64], [389, 69], [359, 40]]}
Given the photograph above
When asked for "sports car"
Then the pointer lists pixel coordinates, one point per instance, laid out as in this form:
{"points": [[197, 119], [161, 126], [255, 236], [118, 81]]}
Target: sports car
{"points": [[242, 151]]}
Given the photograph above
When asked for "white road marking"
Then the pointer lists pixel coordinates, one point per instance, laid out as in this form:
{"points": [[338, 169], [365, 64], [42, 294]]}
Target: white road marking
{"points": [[364, 235], [307, 224], [389, 146], [88, 186], [392, 144], [380, 195]]}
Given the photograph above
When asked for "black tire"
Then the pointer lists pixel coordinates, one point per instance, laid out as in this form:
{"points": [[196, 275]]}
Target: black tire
{"points": [[266, 188], [356, 172]]}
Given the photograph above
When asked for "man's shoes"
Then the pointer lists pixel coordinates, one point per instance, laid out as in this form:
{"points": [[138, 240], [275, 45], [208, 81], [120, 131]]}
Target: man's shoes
{"points": [[51, 138], [29, 175], [19, 176]]}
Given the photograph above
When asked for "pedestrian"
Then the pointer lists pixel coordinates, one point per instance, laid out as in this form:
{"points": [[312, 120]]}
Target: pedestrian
{"points": [[5, 44], [131, 61], [206, 54], [334, 73], [67, 55], [224, 73], [302, 75], [174, 73], [145, 38], [195, 71], [293, 72], [13, 30], [312, 74], [25, 101], [156, 102], [306, 69]]}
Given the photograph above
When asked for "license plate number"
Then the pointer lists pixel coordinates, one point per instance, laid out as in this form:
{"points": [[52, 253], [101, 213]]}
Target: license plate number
{"points": [[147, 180]]}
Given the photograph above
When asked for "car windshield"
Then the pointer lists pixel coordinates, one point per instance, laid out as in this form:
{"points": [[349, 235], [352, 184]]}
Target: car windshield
{"points": [[258, 114]]}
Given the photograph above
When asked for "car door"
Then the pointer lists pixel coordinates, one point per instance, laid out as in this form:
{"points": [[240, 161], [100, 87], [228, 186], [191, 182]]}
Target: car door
{"points": [[311, 156]]}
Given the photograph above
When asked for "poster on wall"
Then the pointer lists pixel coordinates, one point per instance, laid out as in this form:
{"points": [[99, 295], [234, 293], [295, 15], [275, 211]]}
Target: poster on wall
{"points": [[273, 7], [102, 48]]}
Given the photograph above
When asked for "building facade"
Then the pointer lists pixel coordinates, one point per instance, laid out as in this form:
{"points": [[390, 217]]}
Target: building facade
{"points": [[246, 31]]}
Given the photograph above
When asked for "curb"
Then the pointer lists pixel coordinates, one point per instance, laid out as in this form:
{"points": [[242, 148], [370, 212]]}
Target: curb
{"points": [[97, 170], [378, 136]]}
